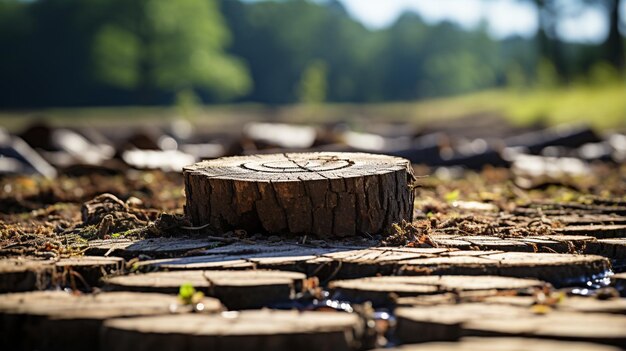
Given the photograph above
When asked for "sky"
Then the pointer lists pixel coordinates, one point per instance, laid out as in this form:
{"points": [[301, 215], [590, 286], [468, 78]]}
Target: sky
{"points": [[503, 17]]}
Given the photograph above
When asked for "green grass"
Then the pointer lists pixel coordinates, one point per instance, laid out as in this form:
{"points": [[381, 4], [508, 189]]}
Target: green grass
{"points": [[601, 106]]}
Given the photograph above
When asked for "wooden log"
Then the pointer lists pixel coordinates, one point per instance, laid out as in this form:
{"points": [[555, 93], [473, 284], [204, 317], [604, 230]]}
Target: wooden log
{"points": [[558, 269], [208, 262], [598, 231], [612, 248], [560, 243], [324, 263], [346, 263], [323, 194], [569, 303], [450, 322], [568, 136], [277, 256], [57, 320], [548, 243], [85, 272], [235, 289], [590, 220], [152, 247], [619, 282], [24, 274], [503, 344], [599, 328], [569, 209], [384, 290], [262, 330], [360, 263]]}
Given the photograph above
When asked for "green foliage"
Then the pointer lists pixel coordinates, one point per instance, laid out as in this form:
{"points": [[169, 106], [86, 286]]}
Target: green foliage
{"points": [[186, 291], [602, 73], [122, 52], [515, 77], [547, 76], [452, 195], [187, 103], [312, 87], [117, 56], [188, 294], [168, 45]]}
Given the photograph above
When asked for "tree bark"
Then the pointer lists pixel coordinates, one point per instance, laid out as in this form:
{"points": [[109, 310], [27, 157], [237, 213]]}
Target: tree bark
{"points": [[614, 43], [323, 194]]}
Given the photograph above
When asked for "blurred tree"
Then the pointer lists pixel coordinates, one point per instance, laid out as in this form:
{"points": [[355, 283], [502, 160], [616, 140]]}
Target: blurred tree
{"points": [[312, 87], [614, 43], [515, 77], [168, 45], [603, 73], [550, 12], [120, 52], [278, 39], [547, 75]]}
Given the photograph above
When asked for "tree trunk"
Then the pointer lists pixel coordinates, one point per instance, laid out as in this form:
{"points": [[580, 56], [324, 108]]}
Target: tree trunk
{"points": [[324, 194], [614, 43]]}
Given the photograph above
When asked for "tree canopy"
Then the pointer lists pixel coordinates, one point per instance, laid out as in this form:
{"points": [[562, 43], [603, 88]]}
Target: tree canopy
{"points": [[119, 52]]}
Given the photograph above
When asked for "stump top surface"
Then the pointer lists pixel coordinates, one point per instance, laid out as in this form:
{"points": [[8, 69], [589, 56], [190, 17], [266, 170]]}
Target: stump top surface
{"points": [[504, 344], [571, 303], [512, 259], [90, 261], [60, 304], [298, 166], [207, 278], [9, 265], [256, 322], [435, 283]]}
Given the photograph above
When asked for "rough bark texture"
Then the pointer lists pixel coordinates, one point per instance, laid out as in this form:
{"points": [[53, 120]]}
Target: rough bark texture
{"points": [[22, 274], [598, 231], [85, 272], [325, 194]]}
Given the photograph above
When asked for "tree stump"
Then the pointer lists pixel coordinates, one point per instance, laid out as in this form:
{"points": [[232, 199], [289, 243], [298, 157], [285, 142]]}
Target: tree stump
{"points": [[261, 330], [450, 322], [612, 248], [85, 272], [569, 304], [557, 269], [383, 290], [235, 289], [56, 320], [325, 194], [504, 344], [23, 274], [619, 282]]}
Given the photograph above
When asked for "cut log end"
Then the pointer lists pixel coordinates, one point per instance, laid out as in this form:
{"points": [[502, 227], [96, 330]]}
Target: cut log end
{"points": [[324, 194]]}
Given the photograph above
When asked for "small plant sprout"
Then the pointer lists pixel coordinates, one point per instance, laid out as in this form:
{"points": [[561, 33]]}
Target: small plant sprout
{"points": [[452, 195], [188, 294]]}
